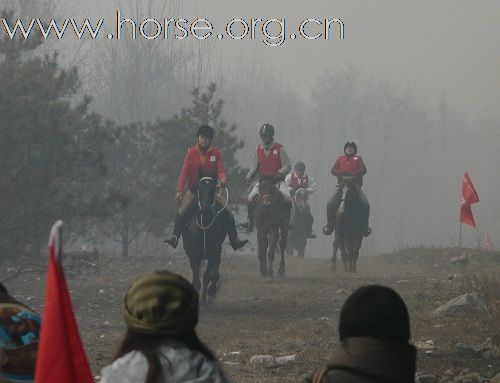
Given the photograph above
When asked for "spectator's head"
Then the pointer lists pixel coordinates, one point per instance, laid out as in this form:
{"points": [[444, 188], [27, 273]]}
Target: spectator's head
{"points": [[3, 289], [375, 311], [159, 308], [161, 303]]}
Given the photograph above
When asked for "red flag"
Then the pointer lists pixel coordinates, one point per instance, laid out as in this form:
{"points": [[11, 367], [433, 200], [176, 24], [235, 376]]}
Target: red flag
{"points": [[466, 216], [469, 197], [60, 356], [469, 194]]}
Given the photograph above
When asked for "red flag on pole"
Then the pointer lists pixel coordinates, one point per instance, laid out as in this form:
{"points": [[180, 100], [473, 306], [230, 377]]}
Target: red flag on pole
{"points": [[469, 197], [60, 356], [466, 216]]}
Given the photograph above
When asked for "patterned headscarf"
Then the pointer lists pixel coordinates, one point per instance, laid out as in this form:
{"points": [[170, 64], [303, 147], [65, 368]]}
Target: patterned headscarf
{"points": [[161, 303]]}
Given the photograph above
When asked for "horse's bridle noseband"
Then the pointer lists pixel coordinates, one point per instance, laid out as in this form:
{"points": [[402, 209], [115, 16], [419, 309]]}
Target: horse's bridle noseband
{"points": [[268, 196]]}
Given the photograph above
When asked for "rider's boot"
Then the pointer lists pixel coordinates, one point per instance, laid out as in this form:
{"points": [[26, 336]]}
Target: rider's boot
{"points": [[249, 224], [230, 225], [330, 226], [179, 224]]}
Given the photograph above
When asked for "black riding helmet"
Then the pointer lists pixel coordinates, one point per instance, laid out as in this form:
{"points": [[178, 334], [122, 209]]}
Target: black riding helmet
{"points": [[352, 144], [300, 166], [266, 130], [205, 131]]}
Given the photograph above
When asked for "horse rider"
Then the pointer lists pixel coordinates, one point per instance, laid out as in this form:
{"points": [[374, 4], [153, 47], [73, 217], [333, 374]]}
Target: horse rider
{"points": [[270, 159], [348, 165], [298, 179], [202, 160]]}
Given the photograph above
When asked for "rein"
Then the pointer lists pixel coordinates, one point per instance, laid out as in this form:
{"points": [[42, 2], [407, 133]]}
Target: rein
{"points": [[200, 224]]}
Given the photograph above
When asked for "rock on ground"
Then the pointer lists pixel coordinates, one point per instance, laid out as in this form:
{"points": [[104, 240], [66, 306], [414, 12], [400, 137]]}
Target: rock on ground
{"points": [[461, 306]]}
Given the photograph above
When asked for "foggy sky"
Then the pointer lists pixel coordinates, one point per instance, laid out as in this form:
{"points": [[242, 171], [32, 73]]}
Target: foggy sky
{"points": [[434, 47]]}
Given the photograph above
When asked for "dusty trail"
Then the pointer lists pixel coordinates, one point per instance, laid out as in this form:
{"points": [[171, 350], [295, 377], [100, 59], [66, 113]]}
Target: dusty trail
{"points": [[294, 315]]}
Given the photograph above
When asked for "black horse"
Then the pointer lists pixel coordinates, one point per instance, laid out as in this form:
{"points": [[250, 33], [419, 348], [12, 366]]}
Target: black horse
{"points": [[270, 221], [203, 238], [301, 224], [348, 226]]}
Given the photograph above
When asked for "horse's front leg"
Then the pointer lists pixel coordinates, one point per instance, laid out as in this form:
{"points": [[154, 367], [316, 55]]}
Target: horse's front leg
{"points": [[262, 242], [273, 241], [195, 262], [207, 275], [212, 289], [283, 242], [333, 260], [344, 254], [355, 253]]}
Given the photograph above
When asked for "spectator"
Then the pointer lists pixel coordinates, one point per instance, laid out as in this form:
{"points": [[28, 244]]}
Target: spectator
{"points": [[161, 345], [374, 330], [19, 330]]}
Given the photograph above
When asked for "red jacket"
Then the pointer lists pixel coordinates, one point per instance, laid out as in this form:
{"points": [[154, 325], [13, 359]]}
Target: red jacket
{"points": [[352, 165], [296, 182], [198, 164], [271, 164]]}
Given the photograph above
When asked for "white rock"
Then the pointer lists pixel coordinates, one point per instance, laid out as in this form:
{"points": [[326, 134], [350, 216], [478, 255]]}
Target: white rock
{"points": [[286, 359], [262, 360]]}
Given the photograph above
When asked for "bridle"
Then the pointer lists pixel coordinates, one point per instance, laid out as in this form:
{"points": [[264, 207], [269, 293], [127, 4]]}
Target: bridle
{"points": [[268, 197], [200, 224]]}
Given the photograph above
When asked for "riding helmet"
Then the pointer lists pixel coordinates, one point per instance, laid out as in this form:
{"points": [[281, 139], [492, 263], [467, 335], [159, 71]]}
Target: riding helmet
{"points": [[300, 166], [266, 130], [205, 131], [352, 144]]}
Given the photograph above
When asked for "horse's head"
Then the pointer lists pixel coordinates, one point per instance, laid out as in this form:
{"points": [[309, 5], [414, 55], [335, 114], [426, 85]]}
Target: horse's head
{"points": [[300, 198], [206, 193], [267, 190], [350, 192]]}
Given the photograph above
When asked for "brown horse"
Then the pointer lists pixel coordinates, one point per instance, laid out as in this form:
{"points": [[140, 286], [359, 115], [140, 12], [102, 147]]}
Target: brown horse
{"points": [[270, 221], [348, 226]]}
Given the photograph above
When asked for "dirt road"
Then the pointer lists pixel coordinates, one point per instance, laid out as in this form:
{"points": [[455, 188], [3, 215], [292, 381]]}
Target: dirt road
{"points": [[295, 315]]}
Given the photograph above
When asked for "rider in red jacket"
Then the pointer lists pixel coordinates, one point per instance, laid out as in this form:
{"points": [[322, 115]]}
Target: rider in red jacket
{"points": [[350, 164], [270, 160], [202, 160]]}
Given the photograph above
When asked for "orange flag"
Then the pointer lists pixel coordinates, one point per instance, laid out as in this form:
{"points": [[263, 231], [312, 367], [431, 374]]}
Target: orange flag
{"points": [[60, 356], [469, 197]]}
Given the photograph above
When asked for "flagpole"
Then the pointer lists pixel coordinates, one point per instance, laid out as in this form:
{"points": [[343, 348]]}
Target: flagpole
{"points": [[460, 237]]}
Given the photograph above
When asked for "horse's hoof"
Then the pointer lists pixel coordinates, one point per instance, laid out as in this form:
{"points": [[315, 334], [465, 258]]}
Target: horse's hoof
{"points": [[269, 279], [281, 273], [333, 266]]}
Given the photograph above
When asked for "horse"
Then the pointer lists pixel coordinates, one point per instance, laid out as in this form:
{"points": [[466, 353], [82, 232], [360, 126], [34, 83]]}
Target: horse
{"points": [[348, 226], [203, 238], [301, 223], [270, 221]]}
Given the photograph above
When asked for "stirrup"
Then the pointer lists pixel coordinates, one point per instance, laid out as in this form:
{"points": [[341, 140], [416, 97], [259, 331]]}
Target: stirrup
{"points": [[328, 229], [248, 225], [367, 232], [173, 241]]}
